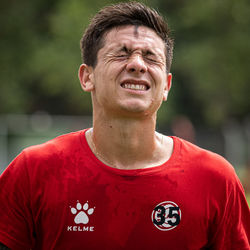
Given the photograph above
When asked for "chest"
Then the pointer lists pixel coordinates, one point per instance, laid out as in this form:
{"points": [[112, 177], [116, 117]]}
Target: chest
{"points": [[121, 212]]}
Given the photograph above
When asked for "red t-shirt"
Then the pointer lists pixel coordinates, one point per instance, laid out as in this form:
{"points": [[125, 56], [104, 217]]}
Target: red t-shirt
{"points": [[58, 195]]}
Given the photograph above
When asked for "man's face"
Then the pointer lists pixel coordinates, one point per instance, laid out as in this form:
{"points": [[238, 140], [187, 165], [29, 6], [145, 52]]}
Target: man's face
{"points": [[130, 76]]}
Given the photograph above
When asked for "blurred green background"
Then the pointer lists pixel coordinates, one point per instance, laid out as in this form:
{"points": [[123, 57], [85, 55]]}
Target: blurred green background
{"points": [[40, 56]]}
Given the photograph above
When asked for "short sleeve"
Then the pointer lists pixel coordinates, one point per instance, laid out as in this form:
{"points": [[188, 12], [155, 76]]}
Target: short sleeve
{"points": [[16, 227], [233, 229]]}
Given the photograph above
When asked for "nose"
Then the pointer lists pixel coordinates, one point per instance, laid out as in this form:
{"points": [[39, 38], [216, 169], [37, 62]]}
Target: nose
{"points": [[136, 64]]}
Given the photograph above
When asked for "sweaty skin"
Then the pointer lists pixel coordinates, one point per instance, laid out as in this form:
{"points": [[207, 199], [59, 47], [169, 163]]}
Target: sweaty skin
{"points": [[127, 87]]}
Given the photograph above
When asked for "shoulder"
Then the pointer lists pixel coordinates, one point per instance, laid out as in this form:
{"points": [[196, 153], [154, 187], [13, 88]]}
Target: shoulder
{"points": [[204, 161], [60, 144], [48, 155]]}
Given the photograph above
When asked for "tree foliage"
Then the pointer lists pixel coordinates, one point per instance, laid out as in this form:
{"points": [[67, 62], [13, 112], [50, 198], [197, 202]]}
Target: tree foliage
{"points": [[40, 56]]}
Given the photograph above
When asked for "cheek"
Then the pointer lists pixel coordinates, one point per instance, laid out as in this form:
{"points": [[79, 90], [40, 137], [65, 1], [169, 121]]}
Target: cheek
{"points": [[113, 74], [158, 77]]}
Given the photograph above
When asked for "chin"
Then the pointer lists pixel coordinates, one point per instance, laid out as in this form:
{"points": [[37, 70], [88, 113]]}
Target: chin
{"points": [[134, 107], [135, 111], [142, 106]]}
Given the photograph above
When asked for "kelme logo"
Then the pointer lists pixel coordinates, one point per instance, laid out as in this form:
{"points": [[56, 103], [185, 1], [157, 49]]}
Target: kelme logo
{"points": [[82, 215]]}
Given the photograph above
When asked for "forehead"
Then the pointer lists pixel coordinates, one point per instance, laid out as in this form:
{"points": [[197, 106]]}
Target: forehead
{"points": [[140, 37]]}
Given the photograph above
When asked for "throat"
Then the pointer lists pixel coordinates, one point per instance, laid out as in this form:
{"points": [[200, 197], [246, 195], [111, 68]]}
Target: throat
{"points": [[135, 155]]}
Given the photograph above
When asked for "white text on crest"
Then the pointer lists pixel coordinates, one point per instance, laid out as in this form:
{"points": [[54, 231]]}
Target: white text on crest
{"points": [[80, 229]]}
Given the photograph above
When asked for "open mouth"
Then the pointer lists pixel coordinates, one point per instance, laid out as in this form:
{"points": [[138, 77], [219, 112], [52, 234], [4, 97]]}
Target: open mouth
{"points": [[141, 86]]}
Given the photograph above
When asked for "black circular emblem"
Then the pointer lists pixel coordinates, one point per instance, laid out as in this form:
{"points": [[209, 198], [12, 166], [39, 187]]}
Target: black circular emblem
{"points": [[166, 215]]}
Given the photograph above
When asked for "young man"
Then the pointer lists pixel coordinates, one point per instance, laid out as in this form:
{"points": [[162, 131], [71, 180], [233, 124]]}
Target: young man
{"points": [[120, 184]]}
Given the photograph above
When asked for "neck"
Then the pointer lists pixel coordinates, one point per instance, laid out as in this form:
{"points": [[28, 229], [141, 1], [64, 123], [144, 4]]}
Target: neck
{"points": [[128, 143]]}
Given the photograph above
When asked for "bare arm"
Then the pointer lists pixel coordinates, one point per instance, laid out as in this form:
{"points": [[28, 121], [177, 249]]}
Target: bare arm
{"points": [[3, 247]]}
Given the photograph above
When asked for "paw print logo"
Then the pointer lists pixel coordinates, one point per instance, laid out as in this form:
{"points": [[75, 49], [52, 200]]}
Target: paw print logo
{"points": [[82, 212]]}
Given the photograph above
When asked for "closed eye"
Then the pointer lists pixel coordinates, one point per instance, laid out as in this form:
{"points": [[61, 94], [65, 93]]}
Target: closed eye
{"points": [[122, 55], [151, 59], [150, 56], [123, 52]]}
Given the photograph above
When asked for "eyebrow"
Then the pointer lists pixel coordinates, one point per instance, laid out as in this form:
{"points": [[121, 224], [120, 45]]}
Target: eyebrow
{"points": [[125, 48], [147, 51]]}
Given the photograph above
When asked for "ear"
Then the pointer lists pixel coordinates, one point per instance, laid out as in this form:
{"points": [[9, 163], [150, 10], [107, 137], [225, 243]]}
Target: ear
{"points": [[167, 86], [85, 74]]}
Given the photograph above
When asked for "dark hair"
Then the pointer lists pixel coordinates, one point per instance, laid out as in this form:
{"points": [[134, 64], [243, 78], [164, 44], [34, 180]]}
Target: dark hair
{"points": [[131, 13]]}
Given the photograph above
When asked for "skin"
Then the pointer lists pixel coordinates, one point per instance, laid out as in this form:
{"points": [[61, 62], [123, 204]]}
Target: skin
{"points": [[124, 119]]}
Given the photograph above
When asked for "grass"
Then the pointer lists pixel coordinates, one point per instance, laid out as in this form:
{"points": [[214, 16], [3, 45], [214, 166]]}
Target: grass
{"points": [[248, 198]]}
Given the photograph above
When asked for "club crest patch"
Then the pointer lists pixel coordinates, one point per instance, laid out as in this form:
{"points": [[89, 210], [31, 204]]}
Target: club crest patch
{"points": [[166, 216]]}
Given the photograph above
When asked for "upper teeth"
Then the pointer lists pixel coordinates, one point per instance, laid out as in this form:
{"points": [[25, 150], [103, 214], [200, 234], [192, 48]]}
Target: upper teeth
{"points": [[134, 86]]}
